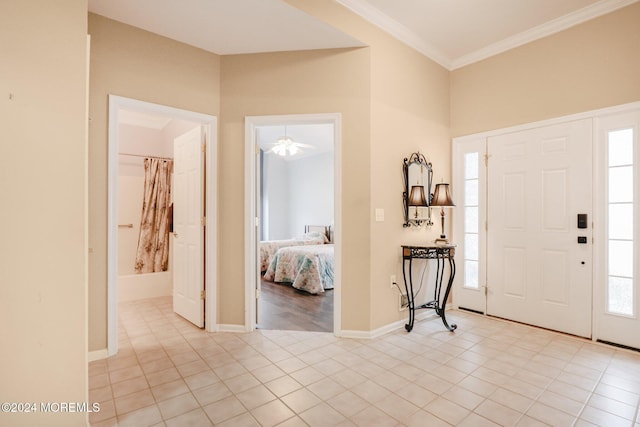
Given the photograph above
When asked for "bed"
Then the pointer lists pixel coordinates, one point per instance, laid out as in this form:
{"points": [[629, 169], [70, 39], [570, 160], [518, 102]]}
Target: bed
{"points": [[308, 268], [313, 235]]}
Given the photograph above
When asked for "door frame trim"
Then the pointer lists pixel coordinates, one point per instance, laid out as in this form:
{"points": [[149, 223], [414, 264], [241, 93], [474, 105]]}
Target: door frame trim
{"points": [[251, 237], [598, 228], [210, 124]]}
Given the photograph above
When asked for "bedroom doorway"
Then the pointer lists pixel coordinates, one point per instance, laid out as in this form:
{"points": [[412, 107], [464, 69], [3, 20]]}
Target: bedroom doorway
{"points": [[292, 222], [139, 130]]}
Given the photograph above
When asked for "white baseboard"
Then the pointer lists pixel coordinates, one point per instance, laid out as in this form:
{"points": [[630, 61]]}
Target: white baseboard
{"points": [[386, 328], [232, 328], [98, 355]]}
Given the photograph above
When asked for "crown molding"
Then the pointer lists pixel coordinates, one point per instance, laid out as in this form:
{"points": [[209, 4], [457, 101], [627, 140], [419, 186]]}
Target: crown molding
{"points": [[408, 37], [397, 30]]}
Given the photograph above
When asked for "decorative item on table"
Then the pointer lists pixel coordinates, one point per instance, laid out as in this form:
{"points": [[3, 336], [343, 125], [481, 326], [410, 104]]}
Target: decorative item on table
{"points": [[442, 198]]}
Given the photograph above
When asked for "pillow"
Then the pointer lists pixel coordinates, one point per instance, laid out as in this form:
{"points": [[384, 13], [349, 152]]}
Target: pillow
{"points": [[315, 235]]}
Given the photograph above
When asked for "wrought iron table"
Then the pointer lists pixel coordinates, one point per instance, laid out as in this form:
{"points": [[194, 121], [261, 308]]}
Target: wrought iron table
{"points": [[442, 254]]}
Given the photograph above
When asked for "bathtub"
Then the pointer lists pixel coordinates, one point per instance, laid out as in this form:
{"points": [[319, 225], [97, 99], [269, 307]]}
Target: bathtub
{"points": [[148, 285]]}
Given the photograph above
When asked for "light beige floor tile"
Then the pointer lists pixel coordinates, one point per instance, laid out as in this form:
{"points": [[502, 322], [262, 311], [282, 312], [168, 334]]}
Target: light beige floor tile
{"points": [[129, 386], [146, 416], [348, 403], [301, 400], [463, 397], [603, 418], [194, 418], [241, 383], [170, 389], [498, 413], [527, 421], [560, 402], [322, 415], [267, 373], [423, 418], [447, 410], [162, 377], [177, 405], [307, 376], [370, 391], [256, 396], [372, 416], [512, 400], [416, 394], [613, 406], [618, 394], [224, 409], [272, 413], [283, 386], [475, 420], [398, 408], [201, 379], [550, 415], [100, 394], [212, 393], [134, 401], [326, 388], [107, 411], [125, 374]]}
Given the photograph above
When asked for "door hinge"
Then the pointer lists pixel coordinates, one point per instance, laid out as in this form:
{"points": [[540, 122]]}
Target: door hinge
{"points": [[203, 221], [486, 160], [204, 147], [257, 221], [257, 149], [202, 294], [486, 226], [257, 293]]}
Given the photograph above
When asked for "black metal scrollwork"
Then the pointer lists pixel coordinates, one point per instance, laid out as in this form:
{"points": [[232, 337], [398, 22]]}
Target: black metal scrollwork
{"points": [[416, 160]]}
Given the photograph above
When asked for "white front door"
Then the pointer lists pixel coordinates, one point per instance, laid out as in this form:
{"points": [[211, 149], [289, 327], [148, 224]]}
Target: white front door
{"points": [[539, 271], [617, 303], [188, 227]]}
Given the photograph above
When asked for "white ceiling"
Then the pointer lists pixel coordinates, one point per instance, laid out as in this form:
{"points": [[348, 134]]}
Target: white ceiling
{"points": [[453, 33]]}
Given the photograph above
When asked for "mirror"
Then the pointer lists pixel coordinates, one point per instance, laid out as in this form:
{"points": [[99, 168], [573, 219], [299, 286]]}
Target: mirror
{"points": [[417, 195]]}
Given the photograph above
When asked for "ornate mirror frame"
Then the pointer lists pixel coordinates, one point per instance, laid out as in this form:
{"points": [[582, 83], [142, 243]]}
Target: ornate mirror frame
{"points": [[417, 171]]}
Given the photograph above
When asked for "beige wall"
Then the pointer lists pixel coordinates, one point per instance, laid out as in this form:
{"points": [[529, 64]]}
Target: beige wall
{"points": [[409, 113], [324, 81], [43, 282], [133, 63], [590, 66]]}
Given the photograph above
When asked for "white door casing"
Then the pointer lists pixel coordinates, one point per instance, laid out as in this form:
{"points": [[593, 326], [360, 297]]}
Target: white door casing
{"points": [[537, 272], [188, 226]]}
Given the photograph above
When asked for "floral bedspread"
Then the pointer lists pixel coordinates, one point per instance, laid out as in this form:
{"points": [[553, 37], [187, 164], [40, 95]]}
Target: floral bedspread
{"points": [[308, 268], [269, 248]]}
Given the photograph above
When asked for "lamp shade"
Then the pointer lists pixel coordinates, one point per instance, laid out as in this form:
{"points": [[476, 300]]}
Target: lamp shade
{"points": [[442, 196], [417, 196]]}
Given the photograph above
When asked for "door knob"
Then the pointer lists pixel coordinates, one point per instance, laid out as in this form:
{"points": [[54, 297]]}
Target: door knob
{"points": [[175, 234]]}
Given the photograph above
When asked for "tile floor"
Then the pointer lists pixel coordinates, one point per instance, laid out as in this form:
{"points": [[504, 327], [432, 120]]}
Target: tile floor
{"points": [[488, 373]]}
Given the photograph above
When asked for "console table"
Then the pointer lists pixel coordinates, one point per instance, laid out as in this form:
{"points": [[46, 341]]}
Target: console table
{"points": [[443, 254]]}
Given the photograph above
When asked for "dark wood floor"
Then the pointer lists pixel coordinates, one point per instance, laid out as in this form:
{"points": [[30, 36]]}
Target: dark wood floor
{"points": [[283, 307]]}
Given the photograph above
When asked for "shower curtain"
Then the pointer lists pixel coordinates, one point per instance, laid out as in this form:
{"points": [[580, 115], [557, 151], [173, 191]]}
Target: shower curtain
{"points": [[153, 241]]}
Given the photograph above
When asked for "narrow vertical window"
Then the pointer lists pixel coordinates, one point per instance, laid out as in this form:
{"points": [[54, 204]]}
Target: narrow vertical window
{"points": [[471, 223], [620, 223]]}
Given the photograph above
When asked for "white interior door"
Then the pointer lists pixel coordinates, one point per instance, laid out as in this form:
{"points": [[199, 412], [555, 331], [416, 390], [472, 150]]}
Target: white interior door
{"points": [[188, 227], [537, 272], [617, 289]]}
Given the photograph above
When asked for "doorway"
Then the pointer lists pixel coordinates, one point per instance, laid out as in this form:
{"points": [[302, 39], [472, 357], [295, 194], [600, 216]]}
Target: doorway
{"points": [[292, 213], [547, 224], [137, 130]]}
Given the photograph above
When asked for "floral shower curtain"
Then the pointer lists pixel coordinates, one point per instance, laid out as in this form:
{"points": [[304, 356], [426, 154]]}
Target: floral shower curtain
{"points": [[153, 241]]}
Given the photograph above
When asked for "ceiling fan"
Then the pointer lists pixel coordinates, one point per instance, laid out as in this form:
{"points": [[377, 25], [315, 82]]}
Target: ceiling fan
{"points": [[286, 146]]}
